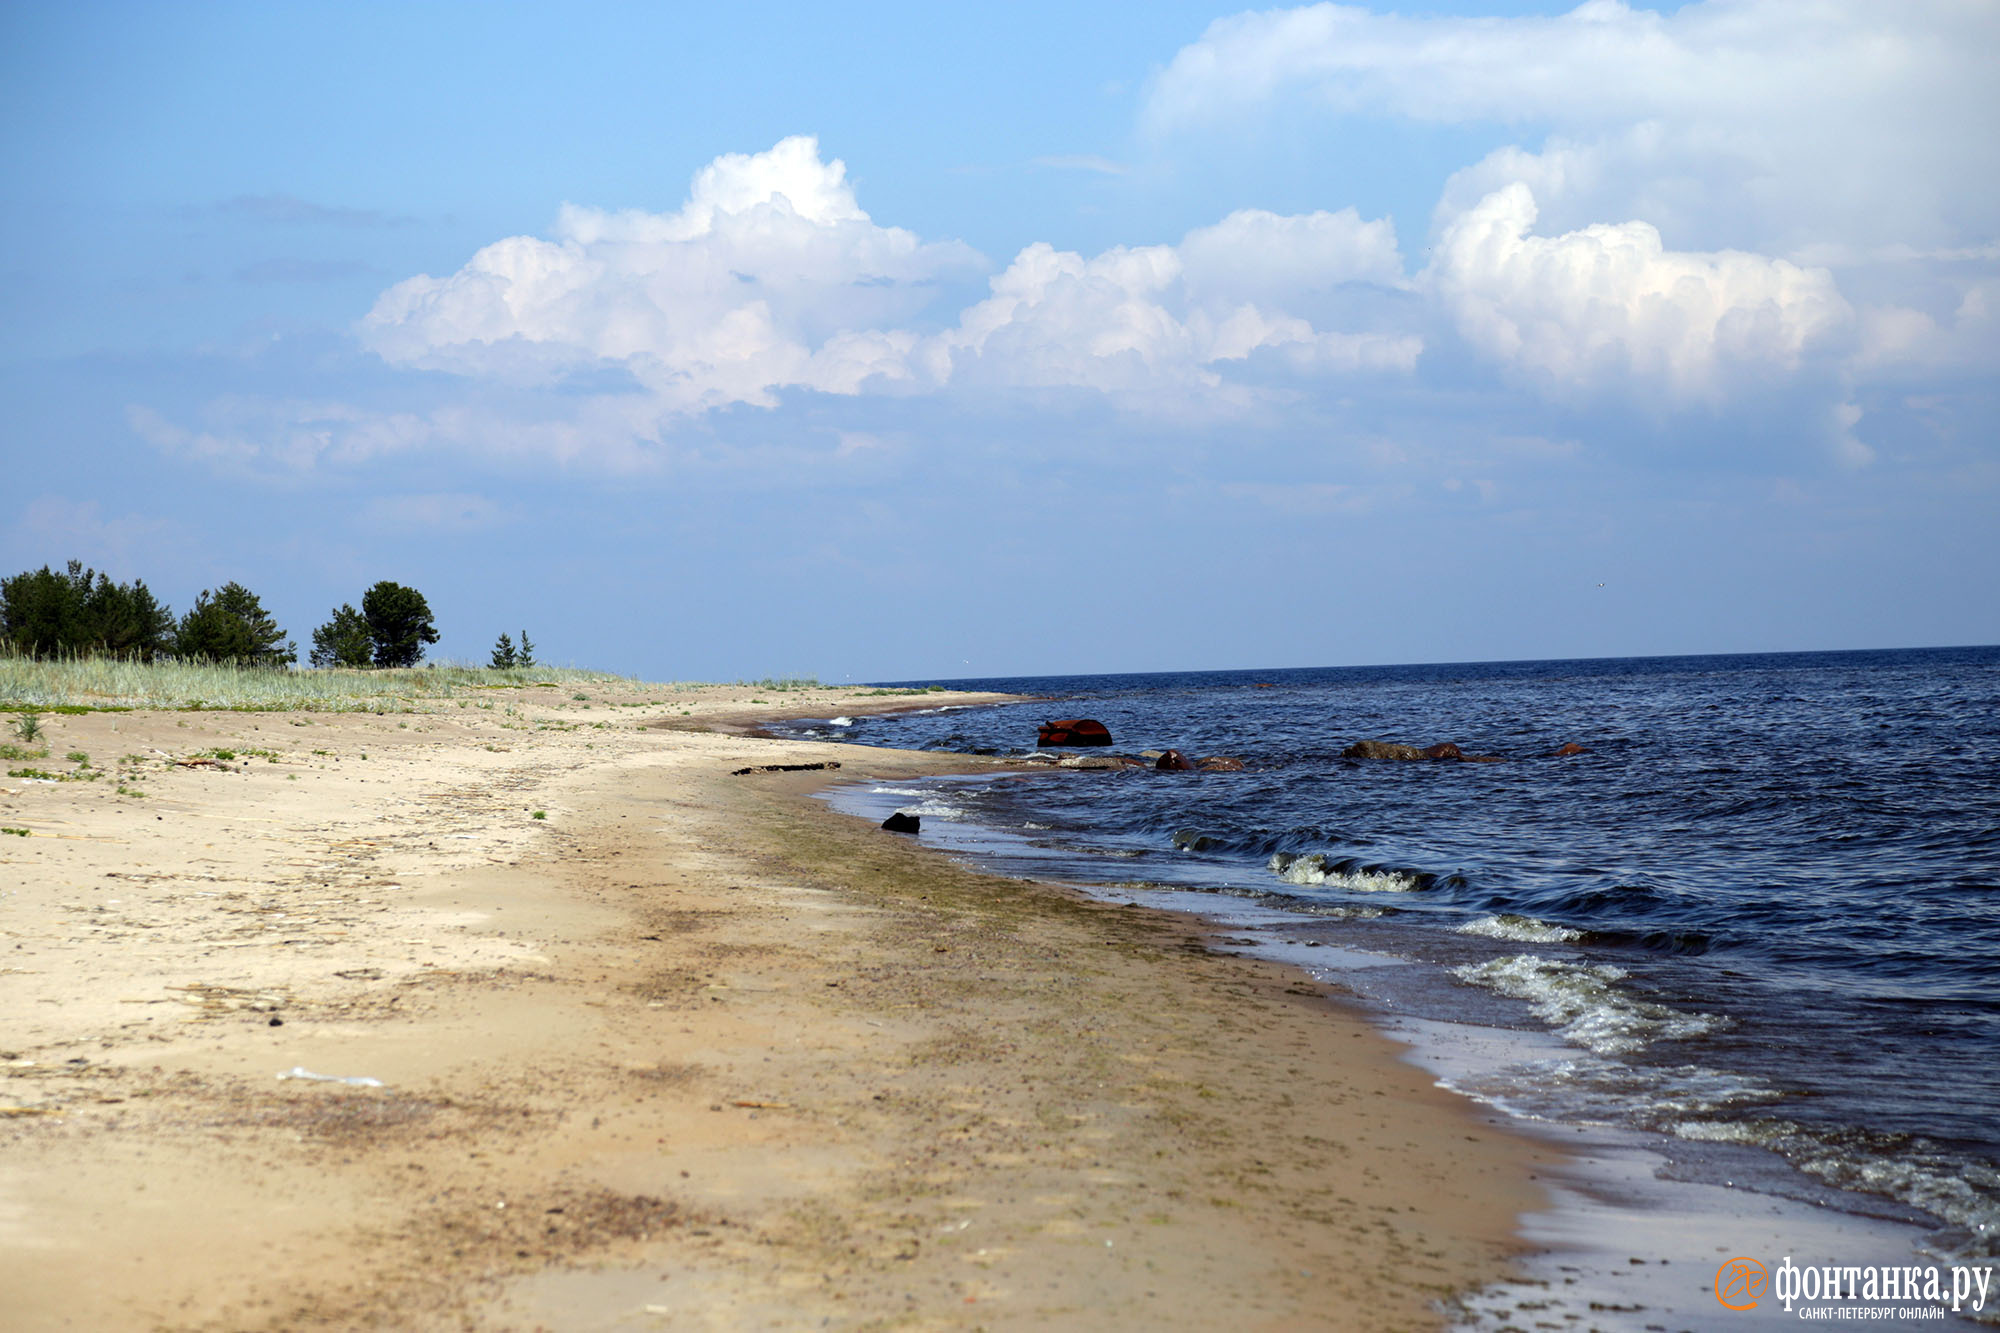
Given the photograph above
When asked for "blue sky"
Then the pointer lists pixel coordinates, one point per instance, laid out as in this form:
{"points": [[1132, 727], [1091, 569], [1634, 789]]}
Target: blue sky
{"points": [[913, 341]]}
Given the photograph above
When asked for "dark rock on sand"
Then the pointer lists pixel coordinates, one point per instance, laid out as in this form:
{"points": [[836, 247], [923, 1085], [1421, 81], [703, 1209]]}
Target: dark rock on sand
{"points": [[1072, 731], [901, 823]]}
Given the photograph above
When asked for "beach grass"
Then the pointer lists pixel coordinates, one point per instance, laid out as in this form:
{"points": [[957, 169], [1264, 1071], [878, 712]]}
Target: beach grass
{"points": [[98, 684]]}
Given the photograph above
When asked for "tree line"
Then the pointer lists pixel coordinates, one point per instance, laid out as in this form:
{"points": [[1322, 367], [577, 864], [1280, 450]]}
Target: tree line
{"points": [[81, 612]]}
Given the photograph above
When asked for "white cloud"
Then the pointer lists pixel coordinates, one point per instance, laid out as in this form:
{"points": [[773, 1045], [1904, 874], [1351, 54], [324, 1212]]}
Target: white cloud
{"points": [[279, 436], [769, 276], [1165, 320], [1270, 258], [1900, 340], [1790, 123], [1610, 305]]}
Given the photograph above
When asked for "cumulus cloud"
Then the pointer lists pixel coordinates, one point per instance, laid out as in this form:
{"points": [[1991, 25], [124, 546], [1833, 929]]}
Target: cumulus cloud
{"points": [[1611, 305], [1897, 340], [769, 276], [1794, 124], [1166, 319]]}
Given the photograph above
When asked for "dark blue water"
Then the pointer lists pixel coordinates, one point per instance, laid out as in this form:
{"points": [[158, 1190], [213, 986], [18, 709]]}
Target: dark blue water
{"points": [[1763, 908]]}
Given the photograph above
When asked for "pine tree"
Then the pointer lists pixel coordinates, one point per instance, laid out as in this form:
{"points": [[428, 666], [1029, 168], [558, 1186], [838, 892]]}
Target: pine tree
{"points": [[80, 610], [399, 623], [229, 624], [343, 641], [503, 653], [527, 657]]}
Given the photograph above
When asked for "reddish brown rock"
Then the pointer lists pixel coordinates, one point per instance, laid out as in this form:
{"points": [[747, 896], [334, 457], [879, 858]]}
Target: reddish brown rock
{"points": [[1173, 761], [1072, 731], [1569, 749], [1220, 763], [1443, 750]]}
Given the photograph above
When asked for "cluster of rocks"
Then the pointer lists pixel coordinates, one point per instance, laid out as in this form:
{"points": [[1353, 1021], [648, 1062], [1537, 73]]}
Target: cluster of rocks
{"points": [[1444, 750], [1083, 731]]}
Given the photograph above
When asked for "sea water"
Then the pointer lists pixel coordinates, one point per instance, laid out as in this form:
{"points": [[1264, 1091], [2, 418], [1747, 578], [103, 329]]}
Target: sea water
{"points": [[1757, 919]]}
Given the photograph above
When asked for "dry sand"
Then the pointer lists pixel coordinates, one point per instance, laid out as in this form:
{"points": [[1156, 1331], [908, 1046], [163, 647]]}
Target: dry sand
{"points": [[688, 1052]]}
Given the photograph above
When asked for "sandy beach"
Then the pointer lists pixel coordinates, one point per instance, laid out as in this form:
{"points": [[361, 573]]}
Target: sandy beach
{"points": [[653, 1044]]}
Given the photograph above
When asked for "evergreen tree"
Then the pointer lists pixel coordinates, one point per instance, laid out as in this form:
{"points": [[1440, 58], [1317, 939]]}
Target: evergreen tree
{"points": [[399, 623], [126, 620], [503, 653], [231, 625], [343, 641], [81, 611], [527, 657]]}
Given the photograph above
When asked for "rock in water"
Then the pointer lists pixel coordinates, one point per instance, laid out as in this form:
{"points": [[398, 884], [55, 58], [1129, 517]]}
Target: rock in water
{"points": [[1443, 750], [1099, 761], [1173, 761], [1220, 763], [1569, 749], [1381, 750], [1072, 731], [901, 823]]}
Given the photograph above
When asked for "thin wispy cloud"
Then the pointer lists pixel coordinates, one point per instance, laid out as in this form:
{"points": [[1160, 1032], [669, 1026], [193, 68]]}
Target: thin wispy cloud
{"points": [[290, 210], [266, 271]]}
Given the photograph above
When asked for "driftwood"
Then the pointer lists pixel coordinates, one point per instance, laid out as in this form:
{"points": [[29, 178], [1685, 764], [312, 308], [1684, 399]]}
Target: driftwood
{"points": [[784, 768]]}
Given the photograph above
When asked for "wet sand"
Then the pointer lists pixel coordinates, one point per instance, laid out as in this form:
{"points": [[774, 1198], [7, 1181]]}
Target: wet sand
{"points": [[689, 1051]]}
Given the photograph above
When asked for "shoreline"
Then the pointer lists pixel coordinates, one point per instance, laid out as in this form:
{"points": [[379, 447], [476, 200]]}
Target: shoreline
{"points": [[1637, 1219], [690, 1051]]}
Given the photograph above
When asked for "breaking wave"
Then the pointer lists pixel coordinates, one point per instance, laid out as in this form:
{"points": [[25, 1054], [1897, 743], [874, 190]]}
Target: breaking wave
{"points": [[1585, 1004], [1523, 929]]}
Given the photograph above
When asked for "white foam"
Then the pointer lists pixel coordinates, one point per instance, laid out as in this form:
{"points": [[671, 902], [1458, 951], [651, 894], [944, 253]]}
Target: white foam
{"points": [[1316, 868], [840, 722], [1584, 1003], [898, 791], [933, 808], [1525, 929], [1956, 1189]]}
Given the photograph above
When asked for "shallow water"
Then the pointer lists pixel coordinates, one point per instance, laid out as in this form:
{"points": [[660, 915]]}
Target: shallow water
{"points": [[1763, 909]]}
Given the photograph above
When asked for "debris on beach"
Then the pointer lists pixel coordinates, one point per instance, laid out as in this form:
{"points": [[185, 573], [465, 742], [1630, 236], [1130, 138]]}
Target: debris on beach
{"points": [[352, 1081]]}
